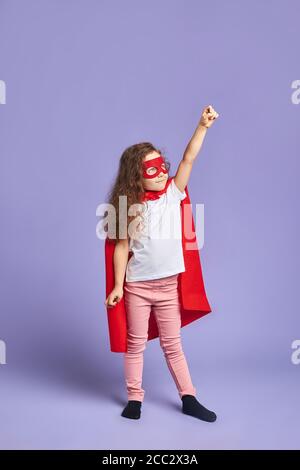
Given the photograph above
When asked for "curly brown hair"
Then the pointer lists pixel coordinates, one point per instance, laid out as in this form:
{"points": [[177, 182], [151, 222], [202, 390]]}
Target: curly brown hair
{"points": [[128, 181]]}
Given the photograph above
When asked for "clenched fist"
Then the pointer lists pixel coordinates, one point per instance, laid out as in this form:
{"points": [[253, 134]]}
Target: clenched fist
{"points": [[114, 297], [209, 115]]}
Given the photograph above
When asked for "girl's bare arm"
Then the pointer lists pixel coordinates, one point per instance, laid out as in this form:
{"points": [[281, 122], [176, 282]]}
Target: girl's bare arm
{"points": [[185, 166], [120, 261]]}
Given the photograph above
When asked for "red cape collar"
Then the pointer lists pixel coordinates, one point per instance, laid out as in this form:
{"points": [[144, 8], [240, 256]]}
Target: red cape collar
{"points": [[152, 195]]}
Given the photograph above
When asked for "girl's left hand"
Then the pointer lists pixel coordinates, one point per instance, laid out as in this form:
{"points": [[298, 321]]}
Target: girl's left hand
{"points": [[208, 117]]}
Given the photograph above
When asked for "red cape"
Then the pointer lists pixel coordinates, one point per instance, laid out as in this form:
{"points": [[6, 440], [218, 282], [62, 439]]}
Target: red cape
{"points": [[192, 295]]}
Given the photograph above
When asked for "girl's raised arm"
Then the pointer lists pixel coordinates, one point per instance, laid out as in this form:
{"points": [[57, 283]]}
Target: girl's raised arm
{"points": [[185, 166]]}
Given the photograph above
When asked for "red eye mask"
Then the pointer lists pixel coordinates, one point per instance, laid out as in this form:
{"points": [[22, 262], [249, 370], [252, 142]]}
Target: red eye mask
{"points": [[157, 164]]}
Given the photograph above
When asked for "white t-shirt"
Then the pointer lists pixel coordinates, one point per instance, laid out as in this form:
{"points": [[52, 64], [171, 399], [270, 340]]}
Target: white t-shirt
{"points": [[158, 251]]}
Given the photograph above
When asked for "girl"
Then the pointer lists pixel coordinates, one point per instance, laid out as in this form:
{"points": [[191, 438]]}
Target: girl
{"points": [[150, 263]]}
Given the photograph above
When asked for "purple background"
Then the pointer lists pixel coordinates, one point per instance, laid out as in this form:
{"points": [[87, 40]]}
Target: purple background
{"points": [[85, 79]]}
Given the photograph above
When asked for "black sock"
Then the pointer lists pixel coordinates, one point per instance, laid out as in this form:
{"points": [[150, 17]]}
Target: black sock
{"points": [[192, 407], [132, 409]]}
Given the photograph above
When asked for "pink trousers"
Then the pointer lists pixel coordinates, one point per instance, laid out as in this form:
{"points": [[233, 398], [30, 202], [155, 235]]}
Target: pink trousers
{"points": [[162, 295]]}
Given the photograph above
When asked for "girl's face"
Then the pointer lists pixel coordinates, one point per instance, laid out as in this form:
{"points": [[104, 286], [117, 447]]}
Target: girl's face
{"points": [[157, 172]]}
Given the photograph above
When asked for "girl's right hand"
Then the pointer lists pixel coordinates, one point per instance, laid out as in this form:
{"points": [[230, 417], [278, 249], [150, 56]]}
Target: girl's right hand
{"points": [[114, 297]]}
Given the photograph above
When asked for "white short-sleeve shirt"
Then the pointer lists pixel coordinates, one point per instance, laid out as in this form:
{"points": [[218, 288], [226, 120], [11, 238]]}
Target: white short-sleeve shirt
{"points": [[158, 251]]}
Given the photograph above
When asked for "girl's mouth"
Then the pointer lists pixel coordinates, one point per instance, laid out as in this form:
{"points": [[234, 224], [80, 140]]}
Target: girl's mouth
{"points": [[163, 179]]}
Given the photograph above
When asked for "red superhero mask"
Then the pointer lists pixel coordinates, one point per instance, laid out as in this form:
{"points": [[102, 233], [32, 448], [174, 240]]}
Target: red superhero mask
{"points": [[158, 163]]}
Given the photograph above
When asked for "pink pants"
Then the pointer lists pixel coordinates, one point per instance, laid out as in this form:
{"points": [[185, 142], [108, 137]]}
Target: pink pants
{"points": [[162, 295]]}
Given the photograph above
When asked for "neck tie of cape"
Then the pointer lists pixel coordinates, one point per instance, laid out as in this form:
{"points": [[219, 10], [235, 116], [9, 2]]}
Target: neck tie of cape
{"points": [[152, 195]]}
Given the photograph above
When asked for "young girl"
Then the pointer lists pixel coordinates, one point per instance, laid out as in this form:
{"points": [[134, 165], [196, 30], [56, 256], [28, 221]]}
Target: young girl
{"points": [[149, 265]]}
